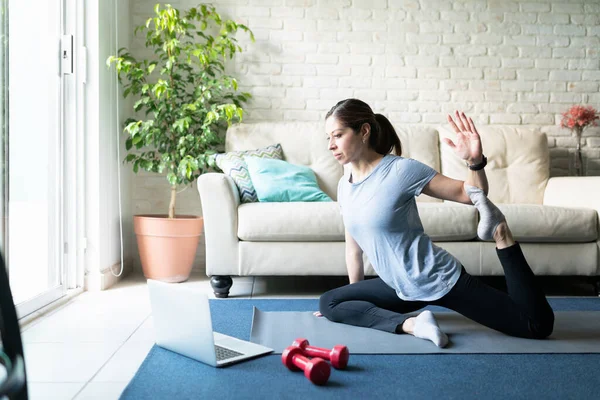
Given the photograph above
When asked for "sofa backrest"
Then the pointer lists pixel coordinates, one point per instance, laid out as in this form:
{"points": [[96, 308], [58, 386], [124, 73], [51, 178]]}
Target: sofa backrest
{"points": [[518, 157], [518, 166], [303, 143]]}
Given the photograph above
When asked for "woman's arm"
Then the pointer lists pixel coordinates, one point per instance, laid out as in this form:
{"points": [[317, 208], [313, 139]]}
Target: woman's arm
{"points": [[354, 260], [442, 187]]}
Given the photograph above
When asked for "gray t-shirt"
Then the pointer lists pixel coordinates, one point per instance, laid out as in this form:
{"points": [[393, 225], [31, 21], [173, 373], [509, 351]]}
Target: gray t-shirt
{"points": [[380, 212]]}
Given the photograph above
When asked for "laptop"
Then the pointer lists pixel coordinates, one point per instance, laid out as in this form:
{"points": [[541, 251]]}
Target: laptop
{"points": [[182, 324]]}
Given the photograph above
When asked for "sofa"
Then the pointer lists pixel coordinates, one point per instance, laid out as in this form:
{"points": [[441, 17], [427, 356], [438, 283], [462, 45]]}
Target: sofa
{"points": [[555, 219]]}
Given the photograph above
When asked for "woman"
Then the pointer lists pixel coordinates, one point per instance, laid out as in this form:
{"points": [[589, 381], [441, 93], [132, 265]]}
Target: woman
{"points": [[377, 202]]}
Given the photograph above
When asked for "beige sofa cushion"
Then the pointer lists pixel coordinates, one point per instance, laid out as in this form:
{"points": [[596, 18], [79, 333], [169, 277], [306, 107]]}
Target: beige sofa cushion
{"points": [[290, 222], [448, 221], [547, 224], [479, 258], [546, 259], [303, 143], [314, 222], [518, 163]]}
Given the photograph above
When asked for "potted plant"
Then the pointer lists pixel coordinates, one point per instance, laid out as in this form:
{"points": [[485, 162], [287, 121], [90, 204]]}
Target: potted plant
{"points": [[187, 101]]}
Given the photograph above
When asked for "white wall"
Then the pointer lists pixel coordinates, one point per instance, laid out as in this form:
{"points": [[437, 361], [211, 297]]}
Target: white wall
{"points": [[500, 61], [103, 106]]}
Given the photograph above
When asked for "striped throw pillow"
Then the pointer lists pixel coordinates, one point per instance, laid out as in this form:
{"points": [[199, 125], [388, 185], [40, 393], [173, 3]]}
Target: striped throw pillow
{"points": [[233, 164]]}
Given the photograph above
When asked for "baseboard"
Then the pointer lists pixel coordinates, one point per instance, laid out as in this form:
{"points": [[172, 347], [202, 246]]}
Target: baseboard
{"points": [[104, 279], [27, 321]]}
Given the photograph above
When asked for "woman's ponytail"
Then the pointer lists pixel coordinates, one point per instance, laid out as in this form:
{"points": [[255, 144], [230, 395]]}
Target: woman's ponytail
{"points": [[386, 138]]}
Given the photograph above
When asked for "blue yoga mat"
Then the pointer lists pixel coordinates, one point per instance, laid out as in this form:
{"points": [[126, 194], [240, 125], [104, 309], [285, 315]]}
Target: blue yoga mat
{"points": [[167, 375]]}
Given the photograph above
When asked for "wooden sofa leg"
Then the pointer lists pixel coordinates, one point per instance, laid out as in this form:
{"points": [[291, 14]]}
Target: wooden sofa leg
{"points": [[221, 285]]}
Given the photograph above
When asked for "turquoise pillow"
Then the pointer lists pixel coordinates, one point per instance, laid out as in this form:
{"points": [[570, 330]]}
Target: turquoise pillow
{"points": [[279, 181], [233, 164]]}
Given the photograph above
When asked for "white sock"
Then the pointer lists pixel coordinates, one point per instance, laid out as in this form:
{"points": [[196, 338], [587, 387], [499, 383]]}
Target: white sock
{"points": [[426, 327], [489, 215]]}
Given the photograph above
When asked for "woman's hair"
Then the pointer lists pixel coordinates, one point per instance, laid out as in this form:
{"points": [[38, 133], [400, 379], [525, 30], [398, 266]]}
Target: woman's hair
{"points": [[354, 113]]}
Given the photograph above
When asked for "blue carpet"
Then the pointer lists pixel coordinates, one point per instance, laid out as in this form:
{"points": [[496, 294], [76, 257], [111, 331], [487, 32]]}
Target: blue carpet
{"points": [[166, 375]]}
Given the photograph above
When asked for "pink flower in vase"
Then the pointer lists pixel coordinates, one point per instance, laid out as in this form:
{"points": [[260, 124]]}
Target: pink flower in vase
{"points": [[578, 117]]}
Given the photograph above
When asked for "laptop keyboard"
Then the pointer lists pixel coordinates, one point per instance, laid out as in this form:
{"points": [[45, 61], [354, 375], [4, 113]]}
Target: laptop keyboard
{"points": [[224, 354]]}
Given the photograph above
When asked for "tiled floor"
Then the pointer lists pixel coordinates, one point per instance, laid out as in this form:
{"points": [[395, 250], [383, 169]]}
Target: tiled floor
{"points": [[91, 347]]}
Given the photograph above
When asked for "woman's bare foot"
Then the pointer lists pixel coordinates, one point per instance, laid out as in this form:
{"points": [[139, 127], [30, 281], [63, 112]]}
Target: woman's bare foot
{"points": [[503, 236]]}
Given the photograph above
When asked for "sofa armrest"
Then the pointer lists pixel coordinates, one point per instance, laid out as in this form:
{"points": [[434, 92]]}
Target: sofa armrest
{"points": [[220, 201], [575, 192]]}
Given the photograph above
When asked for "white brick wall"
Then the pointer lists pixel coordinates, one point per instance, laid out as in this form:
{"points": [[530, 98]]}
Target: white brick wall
{"points": [[502, 62]]}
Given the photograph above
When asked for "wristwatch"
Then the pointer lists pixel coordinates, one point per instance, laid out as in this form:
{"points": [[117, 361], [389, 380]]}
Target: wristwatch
{"points": [[477, 167]]}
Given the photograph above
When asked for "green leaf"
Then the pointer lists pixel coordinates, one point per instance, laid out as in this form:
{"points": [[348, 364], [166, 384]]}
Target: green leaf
{"points": [[172, 178], [229, 112], [138, 104]]}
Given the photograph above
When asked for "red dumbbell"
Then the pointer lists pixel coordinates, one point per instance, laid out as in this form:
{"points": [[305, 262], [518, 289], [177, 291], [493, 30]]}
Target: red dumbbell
{"points": [[338, 356], [315, 370]]}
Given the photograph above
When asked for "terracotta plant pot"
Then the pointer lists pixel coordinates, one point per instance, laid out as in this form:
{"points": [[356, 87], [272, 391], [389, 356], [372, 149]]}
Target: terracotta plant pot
{"points": [[167, 247]]}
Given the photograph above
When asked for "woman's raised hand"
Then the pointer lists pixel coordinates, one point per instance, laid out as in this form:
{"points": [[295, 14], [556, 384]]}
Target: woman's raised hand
{"points": [[467, 144]]}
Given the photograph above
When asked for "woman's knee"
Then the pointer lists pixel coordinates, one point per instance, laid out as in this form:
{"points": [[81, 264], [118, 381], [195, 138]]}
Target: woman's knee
{"points": [[327, 303], [544, 327]]}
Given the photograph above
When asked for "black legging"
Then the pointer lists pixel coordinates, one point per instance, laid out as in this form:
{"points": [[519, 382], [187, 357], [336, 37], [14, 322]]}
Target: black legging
{"points": [[522, 312]]}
